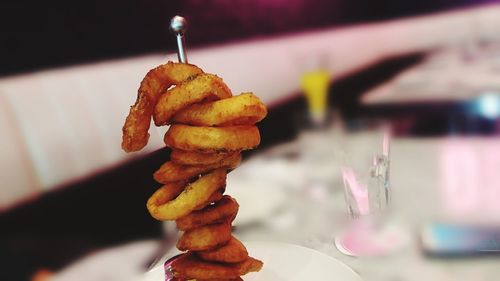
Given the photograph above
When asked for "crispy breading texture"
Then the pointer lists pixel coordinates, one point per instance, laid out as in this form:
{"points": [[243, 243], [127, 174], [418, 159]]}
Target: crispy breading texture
{"points": [[209, 129], [168, 192], [223, 210], [190, 266], [232, 279], [218, 279], [203, 87], [245, 109], [212, 139], [232, 251], [205, 237], [135, 130], [189, 199], [195, 158], [171, 171], [216, 196]]}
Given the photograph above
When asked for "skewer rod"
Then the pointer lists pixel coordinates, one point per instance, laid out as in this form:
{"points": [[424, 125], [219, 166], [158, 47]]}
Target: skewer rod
{"points": [[178, 25]]}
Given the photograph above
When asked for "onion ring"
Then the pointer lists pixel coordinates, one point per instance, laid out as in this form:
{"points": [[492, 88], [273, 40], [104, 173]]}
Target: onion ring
{"points": [[223, 210], [245, 109], [212, 139], [171, 172], [189, 199], [203, 87], [168, 192], [209, 130], [218, 279], [216, 196], [232, 251], [195, 158], [190, 266], [205, 237], [135, 129]]}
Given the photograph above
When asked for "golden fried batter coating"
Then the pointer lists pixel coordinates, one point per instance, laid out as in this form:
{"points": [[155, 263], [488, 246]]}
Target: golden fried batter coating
{"points": [[168, 192], [205, 237], [196, 158], [223, 210], [232, 251], [232, 279], [135, 130], [191, 197], [171, 171], [203, 87], [245, 109], [190, 266], [212, 139], [209, 130], [216, 196]]}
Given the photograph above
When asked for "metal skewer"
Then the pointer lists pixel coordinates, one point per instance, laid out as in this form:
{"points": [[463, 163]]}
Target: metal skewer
{"points": [[178, 25]]}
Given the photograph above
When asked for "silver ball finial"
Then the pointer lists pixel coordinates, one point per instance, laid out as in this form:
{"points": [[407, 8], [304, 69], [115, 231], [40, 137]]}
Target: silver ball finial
{"points": [[178, 25]]}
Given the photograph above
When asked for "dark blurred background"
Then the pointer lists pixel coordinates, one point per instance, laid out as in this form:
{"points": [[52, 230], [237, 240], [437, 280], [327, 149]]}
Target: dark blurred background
{"points": [[41, 34]]}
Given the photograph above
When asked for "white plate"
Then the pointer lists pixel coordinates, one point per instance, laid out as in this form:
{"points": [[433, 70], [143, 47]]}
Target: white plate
{"points": [[287, 262]]}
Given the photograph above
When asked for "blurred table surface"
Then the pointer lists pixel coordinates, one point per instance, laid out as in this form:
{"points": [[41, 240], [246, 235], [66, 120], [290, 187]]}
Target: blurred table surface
{"points": [[433, 180], [456, 74], [438, 179]]}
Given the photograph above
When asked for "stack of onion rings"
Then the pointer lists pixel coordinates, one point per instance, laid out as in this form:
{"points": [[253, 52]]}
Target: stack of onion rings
{"points": [[209, 128]]}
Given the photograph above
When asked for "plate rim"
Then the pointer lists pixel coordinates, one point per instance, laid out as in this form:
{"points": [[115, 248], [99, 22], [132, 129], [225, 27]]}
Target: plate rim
{"points": [[344, 265], [301, 247]]}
